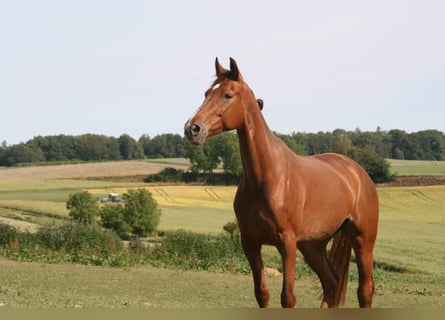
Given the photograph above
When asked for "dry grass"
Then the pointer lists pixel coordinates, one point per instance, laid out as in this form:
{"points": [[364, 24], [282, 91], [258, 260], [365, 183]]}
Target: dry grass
{"points": [[413, 204], [19, 224], [90, 170]]}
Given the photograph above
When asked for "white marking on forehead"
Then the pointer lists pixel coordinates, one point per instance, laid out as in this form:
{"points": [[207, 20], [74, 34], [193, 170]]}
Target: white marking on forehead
{"points": [[216, 86]]}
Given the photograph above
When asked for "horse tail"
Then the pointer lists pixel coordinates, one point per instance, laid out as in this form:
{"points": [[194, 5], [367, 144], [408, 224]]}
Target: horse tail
{"points": [[339, 256]]}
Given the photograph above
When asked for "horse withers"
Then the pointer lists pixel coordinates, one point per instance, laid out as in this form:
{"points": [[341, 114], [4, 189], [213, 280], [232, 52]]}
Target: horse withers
{"points": [[292, 201]]}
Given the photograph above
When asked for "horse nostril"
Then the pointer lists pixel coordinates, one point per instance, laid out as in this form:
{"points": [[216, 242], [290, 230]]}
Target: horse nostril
{"points": [[195, 129]]}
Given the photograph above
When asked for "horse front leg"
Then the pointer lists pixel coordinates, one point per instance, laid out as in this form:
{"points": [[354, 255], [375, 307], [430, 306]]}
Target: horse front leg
{"points": [[288, 251], [253, 255]]}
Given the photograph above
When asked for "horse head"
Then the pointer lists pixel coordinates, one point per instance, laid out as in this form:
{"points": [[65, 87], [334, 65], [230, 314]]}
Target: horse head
{"points": [[224, 105]]}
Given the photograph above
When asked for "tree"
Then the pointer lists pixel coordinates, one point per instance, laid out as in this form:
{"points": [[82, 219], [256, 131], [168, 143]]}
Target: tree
{"points": [[83, 207], [429, 144], [3, 153], [227, 148], [343, 145], [399, 143], [163, 146], [141, 212], [139, 215], [145, 143], [292, 143], [55, 148], [222, 148], [376, 166], [204, 158], [129, 148], [112, 217], [97, 147], [23, 153]]}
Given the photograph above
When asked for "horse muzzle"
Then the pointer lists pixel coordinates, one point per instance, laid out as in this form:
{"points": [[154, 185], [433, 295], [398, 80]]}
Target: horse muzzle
{"points": [[194, 133]]}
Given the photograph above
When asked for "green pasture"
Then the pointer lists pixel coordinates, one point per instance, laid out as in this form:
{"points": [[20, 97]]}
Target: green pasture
{"points": [[35, 285], [416, 167], [410, 252]]}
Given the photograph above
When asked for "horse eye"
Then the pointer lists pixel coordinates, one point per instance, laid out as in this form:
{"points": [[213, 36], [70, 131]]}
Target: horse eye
{"points": [[227, 96]]}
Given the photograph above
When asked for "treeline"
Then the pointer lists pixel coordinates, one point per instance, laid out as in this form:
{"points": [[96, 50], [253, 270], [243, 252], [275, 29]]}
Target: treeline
{"points": [[394, 144], [90, 147], [222, 151]]}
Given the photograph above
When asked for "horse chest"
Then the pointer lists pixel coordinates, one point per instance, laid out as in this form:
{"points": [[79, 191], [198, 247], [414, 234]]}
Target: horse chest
{"points": [[266, 213], [258, 225], [264, 230]]}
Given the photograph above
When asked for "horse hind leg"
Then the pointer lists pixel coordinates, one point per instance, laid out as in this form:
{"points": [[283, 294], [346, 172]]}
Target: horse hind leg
{"points": [[316, 257], [362, 233], [363, 245], [363, 250]]}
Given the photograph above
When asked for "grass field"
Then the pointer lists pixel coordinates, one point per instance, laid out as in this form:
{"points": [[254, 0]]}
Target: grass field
{"points": [[410, 243], [417, 167], [34, 285]]}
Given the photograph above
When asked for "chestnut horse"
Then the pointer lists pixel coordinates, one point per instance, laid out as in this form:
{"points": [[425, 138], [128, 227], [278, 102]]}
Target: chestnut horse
{"points": [[292, 201]]}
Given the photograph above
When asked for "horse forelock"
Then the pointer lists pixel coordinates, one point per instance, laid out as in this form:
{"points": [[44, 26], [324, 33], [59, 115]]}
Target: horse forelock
{"points": [[216, 83], [226, 76]]}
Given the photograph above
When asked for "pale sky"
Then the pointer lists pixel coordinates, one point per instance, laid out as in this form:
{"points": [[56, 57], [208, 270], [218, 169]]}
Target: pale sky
{"points": [[142, 67]]}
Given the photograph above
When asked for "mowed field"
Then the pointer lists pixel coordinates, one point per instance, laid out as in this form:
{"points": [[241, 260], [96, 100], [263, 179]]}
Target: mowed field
{"points": [[410, 250], [417, 167]]}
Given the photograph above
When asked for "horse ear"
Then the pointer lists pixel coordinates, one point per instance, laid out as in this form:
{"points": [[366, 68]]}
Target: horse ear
{"points": [[234, 71], [260, 103], [219, 68]]}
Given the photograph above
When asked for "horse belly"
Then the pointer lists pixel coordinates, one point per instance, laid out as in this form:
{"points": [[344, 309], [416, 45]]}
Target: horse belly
{"points": [[322, 217]]}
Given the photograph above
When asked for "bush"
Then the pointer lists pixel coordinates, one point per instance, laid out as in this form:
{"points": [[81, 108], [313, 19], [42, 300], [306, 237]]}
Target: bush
{"points": [[189, 250], [232, 228], [92, 245], [173, 175], [166, 175], [8, 235], [13, 239], [85, 244], [68, 242]]}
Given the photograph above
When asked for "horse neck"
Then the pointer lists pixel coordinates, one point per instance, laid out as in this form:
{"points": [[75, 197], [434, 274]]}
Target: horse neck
{"points": [[256, 142]]}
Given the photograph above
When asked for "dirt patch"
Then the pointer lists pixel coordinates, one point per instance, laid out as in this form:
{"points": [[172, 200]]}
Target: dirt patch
{"points": [[132, 178]]}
